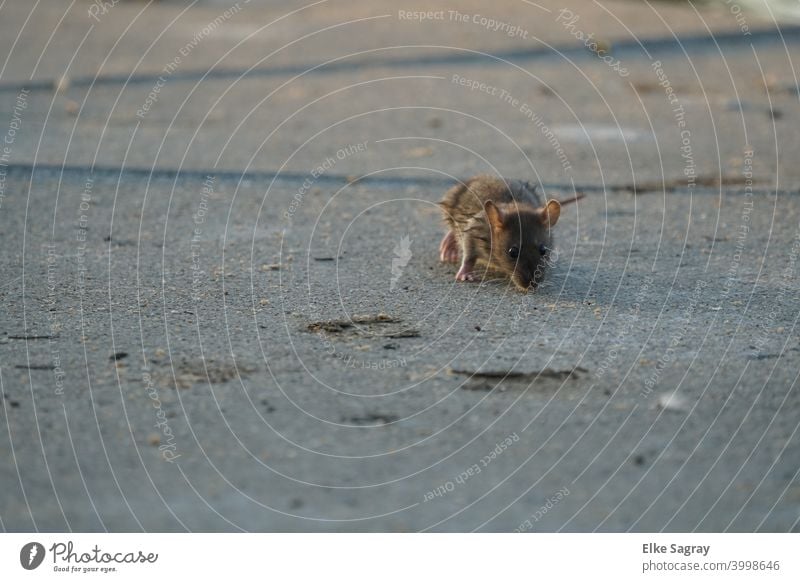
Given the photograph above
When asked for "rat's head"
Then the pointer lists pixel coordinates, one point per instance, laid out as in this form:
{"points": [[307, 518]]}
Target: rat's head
{"points": [[521, 239]]}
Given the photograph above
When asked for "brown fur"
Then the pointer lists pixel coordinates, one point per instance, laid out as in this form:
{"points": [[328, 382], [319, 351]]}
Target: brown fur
{"points": [[489, 216]]}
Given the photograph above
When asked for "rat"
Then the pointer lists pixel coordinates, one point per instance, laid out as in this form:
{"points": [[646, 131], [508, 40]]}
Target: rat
{"points": [[501, 225]]}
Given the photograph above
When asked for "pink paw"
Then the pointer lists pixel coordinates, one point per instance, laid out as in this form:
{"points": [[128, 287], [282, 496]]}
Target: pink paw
{"points": [[465, 274], [448, 249]]}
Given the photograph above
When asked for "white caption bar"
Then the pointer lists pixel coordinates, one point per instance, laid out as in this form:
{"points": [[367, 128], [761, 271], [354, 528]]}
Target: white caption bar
{"points": [[388, 557]]}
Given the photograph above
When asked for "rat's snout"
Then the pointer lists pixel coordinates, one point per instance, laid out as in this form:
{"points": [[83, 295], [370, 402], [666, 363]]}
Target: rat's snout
{"points": [[528, 277], [524, 282]]}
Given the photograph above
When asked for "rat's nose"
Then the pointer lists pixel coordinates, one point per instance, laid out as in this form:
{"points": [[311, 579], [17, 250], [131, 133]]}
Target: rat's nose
{"points": [[525, 283]]}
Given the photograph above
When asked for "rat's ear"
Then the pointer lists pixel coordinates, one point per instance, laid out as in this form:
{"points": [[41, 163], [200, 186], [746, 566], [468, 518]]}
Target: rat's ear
{"points": [[551, 212], [493, 214]]}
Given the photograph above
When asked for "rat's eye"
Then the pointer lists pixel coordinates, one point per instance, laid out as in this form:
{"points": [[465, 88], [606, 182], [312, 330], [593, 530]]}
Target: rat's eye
{"points": [[543, 250], [513, 252]]}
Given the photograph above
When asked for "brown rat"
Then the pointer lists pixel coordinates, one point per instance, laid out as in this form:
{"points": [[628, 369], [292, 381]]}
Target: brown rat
{"points": [[501, 225]]}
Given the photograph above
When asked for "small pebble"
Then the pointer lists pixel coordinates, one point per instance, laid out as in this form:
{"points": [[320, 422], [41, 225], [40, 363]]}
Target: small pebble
{"points": [[61, 84], [672, 401]]}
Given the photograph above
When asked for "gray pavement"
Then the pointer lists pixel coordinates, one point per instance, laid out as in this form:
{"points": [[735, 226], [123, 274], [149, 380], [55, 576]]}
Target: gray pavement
{"points": [[221, 305]]}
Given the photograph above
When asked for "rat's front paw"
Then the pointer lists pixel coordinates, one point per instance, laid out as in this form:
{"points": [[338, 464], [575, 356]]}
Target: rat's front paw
{"points": [[466, 274], [448, 248], [450, 255]]}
